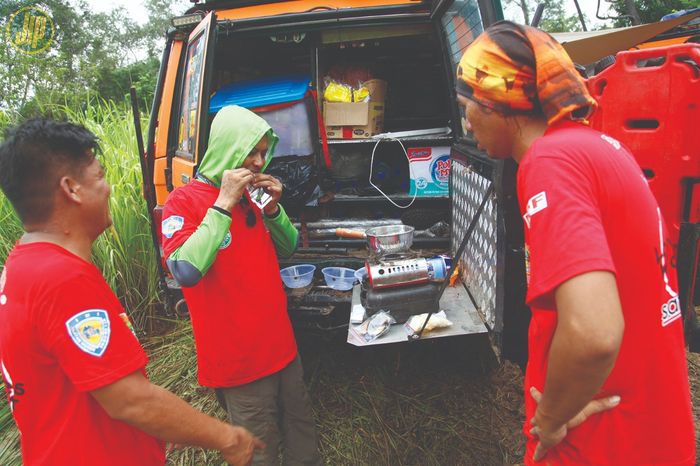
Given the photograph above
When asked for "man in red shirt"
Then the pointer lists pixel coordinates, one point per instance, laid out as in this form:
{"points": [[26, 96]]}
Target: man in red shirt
{"points": [[74, 371], [606, 381], [221, 245]]}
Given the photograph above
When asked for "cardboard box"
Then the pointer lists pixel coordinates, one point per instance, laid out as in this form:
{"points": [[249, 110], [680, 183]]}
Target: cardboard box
{"points": [[357, 120], [345, 114]]}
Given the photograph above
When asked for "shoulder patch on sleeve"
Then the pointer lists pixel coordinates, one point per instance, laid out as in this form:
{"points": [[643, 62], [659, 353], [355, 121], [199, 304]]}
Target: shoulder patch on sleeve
{"points": [[90, 331], [171, 224], [537, 203]]}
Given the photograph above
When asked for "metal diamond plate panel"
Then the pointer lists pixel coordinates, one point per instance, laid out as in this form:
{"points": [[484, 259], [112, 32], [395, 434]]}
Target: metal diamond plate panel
{"points": [[479, 261]]}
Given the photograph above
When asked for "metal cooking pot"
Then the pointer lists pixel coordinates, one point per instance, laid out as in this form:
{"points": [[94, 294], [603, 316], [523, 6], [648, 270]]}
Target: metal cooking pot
{"points": [[389, 239]]}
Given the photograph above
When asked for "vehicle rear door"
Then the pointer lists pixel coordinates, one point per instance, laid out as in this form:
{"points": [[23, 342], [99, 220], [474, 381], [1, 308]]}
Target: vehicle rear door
{"points": [[193, 105], [492, 266]]}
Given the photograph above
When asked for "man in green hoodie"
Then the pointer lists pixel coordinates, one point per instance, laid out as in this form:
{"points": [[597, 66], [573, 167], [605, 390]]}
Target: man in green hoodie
{"points": [[222, 249]]}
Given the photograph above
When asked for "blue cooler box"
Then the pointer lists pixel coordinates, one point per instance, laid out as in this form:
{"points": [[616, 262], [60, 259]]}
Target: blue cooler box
{"points": [[281, 102]]}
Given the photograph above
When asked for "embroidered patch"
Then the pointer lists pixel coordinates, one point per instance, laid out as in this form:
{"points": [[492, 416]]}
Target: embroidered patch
{"points": [[127, 322], [612, 141], [226, 242], [537, 203], [172, 224], [90, 331]]}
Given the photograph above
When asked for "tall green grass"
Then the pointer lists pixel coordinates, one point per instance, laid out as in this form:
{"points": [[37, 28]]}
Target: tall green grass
{"points": [[124, 252], [10, 228]]}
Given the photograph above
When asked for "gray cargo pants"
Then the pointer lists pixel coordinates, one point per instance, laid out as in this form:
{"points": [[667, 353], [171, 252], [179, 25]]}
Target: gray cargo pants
{"points": [[272, 407]]}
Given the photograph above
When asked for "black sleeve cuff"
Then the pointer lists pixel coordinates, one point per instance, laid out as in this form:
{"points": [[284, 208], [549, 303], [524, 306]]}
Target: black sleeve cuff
{"points": [[220, 210], [276, 214]]}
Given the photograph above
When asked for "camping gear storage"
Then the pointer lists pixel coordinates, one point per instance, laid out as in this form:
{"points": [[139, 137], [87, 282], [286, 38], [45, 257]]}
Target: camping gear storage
{"points": [[395, 60]]}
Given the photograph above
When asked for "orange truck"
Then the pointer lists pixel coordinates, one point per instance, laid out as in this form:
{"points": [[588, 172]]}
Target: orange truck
{"points": [[401, 156]]}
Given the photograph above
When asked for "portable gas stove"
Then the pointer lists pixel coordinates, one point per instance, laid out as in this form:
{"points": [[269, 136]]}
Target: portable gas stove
{"points": [[403, 284], [408, 285]]}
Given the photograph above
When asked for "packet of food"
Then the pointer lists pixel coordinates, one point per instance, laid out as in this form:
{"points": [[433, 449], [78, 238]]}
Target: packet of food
{"points": [[360, 95], [337, 92], [259, 197], [375, 326], [437, 320]]}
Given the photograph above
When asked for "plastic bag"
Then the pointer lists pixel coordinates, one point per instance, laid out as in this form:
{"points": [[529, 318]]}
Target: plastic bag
{"points": [[360, 95], [337, 92], [437, 320], [375, 326], [298, 177]]}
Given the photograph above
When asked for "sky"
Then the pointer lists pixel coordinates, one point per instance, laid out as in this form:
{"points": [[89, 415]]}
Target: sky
{"points": [[138, 12], [135, 8]]}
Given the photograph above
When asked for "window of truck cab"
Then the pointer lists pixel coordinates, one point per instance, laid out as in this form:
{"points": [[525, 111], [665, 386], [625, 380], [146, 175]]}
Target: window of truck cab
{"points": [[188, 123], [461, 24]]}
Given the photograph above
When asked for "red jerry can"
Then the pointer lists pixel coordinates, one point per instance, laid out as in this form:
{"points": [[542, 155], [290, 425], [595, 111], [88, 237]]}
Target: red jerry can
{"points": [[649, 100]]}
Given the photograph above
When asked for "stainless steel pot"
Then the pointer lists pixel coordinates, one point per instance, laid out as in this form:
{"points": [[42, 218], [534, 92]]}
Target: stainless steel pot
{"points": [[389, 239]]}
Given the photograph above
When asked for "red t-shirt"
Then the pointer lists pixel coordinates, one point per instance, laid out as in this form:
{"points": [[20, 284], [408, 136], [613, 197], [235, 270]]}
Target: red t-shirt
{"points": [[239, 308], [63, 333], [587, 207]]}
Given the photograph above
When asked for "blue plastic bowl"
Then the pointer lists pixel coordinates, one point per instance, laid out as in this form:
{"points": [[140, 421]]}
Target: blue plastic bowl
{"points": [[298, 276], [339, 278], [360, 274]]}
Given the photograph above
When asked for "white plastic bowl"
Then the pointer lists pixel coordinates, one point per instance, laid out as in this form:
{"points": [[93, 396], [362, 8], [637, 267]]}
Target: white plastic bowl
{"points": [[298, 276], [339, 278]]}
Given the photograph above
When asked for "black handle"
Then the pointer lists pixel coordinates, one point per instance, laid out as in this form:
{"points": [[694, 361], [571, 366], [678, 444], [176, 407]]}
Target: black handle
{"points": [[145, 171]]}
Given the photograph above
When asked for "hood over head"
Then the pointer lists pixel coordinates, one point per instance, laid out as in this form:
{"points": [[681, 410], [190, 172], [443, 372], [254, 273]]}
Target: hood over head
{"points": [[234, 133]]}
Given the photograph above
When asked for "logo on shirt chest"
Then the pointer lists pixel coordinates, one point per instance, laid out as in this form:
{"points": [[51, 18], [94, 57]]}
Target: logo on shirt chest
{"points": [[537, 203], [90, 331]]}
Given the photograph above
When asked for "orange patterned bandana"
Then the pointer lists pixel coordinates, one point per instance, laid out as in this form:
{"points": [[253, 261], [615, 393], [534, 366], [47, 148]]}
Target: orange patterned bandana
{"points": [[515, 69]]}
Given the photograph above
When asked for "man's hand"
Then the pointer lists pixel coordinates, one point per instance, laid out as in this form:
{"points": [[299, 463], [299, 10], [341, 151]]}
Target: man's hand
{"points": [[273, 187], [233, 182], [240, 447], [551, 435]]}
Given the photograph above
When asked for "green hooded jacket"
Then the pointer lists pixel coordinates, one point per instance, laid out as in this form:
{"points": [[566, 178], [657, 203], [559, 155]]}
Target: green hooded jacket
{"points": [[234, 133]]}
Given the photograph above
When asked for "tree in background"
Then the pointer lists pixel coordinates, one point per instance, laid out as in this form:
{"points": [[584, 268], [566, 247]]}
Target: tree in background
{"points": [[93, 55], [632, 12], [554, 17]]}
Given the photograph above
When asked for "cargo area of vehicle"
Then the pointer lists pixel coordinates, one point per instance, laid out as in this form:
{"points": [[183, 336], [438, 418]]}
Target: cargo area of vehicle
{"points": [[408, 59]]}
